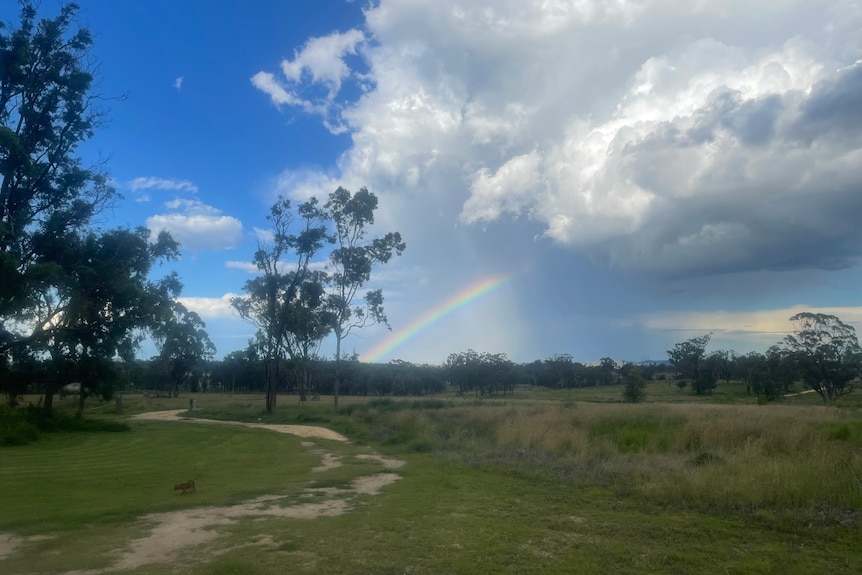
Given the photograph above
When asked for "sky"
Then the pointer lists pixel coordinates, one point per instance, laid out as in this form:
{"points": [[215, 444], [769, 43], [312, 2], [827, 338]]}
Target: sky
{"points": [[598, 178]]}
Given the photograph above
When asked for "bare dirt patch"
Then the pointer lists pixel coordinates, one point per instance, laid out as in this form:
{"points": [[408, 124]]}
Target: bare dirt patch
{"points": [[9, 543]]}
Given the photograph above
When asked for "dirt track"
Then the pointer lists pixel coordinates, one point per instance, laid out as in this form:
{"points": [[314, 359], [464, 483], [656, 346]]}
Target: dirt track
{"points": [[309, 431]]}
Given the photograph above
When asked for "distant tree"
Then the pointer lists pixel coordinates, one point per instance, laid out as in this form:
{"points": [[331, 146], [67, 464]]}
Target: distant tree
{"points": [[560, 368], [352, 259], [484, 373], [826, 352], [239, 370], [285, 302], [688, 358], [183, 344], [722, 362], [635, 386]]}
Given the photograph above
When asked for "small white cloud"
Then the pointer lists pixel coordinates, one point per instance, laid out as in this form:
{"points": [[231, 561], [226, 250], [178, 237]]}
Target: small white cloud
{"points": [[323, 59], [263, 236], [247, 267], [178, 83], [210, 307], [192, 207], [150, 183], [198, 226], [320, 62], [266, 82]]}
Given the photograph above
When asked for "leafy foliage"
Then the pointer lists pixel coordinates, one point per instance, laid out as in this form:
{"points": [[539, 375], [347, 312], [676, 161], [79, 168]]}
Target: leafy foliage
{"points": [[635, 386], [352, 260], [689, 358], [826, 352], [484, 373], [286, 302], [72, 298]]}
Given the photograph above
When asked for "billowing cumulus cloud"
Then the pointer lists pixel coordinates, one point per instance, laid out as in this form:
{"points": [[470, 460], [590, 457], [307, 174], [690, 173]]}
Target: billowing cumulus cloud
{"points": [[667, 138]]}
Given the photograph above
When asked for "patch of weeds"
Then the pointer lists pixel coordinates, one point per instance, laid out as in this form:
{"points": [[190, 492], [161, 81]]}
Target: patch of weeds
{"points": [[637, 434], [431, 404], [303, 417], [289, 546], [849, 431], [235, 567], [350, 409], [706, 459], [385, 433], [15, 428], [382, 404], [333, 483], [421, 446]]}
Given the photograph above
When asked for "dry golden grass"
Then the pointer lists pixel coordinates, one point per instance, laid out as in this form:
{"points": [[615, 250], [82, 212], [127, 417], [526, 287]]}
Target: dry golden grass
{"points": [[705, 455]]}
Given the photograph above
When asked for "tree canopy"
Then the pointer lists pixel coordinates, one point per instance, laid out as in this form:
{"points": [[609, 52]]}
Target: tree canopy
{"points": [[827, 353], [70, 292]]}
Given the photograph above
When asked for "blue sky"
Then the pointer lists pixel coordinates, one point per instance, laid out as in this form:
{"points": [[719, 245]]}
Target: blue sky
{"points": [[642, 172]]}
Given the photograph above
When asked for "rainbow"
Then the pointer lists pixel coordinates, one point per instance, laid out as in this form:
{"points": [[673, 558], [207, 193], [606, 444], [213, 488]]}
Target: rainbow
{"points": [[433, 315]]}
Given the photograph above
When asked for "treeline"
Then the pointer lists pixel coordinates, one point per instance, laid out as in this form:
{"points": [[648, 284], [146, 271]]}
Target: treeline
{"points": [[822, 353], [468, 373]]}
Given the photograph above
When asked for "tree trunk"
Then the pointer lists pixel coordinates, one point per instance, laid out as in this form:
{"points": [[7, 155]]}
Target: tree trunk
{"points": [[82, 395], [271, 384], [301, 374], [337, 368], [48, 406]]}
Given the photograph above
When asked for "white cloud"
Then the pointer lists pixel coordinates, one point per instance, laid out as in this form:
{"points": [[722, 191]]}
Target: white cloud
{"points": [[247, 267], [666, 137], [178, 83], [319, 63], [197, 226], [250, 267], [262, 235], [774, 321], [267, 83], [210, 307], [150, 183], [323, 59], [192, 207]]}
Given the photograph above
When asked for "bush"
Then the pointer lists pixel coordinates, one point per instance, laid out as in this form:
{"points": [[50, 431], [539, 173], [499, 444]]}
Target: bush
{"points": [[22, 426], [635, 388], [15, 429]]}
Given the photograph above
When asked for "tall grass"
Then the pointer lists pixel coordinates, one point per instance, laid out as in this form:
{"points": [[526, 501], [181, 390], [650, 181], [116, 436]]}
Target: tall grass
{"points": [[798, 460], [725, 458]]}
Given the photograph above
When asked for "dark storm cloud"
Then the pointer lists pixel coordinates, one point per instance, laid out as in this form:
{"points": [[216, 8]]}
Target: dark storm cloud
{"points": [[776, 184]]}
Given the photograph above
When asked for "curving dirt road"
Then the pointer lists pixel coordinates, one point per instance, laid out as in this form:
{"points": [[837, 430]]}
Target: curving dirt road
{"points": [[309, 431]]}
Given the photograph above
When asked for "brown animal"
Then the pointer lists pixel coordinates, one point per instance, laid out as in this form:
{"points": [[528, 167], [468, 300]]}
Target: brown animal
{"points": [[190, 484]]}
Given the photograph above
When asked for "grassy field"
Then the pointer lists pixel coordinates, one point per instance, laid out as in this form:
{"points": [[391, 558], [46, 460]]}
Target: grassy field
{"points": [[540, 482]]}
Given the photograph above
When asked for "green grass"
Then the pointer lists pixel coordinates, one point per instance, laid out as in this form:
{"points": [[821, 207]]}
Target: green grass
{"points": [[517, 484], [66, 480]]}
